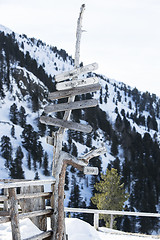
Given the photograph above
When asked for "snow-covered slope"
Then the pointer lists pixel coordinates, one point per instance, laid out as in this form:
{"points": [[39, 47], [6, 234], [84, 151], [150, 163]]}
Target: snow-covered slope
{"points": [[75, 228], [124, 120]]}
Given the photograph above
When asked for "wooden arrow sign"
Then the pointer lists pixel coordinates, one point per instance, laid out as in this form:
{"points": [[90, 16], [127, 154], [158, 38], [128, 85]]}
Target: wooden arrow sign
{"points": [[65, 124], [71, 106], [76, 83], [76, 72], [74, 91], [90, 170]]}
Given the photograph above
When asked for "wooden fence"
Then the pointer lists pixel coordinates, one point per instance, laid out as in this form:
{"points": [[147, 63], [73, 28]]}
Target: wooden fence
{"points": [[96, 213], [26, 199]]}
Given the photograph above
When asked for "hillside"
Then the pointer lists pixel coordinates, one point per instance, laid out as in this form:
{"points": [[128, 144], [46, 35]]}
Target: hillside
{"points": [[127, 121]]}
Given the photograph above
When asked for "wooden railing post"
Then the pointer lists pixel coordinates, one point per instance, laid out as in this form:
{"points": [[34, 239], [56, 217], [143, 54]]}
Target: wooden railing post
{"points": [[111, 222], [96, 221], [5, 207], [14, 214]]}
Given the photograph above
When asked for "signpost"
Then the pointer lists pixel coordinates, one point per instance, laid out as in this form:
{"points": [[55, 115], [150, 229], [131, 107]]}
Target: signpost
{"points": [[76, 83], [71, 106], [90, 170], [69, 89], [74, 91], [76, 72], [65, 124]]}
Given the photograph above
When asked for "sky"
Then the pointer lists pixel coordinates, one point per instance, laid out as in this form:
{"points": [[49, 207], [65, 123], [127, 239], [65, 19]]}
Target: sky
{"points": [[122, 36]]}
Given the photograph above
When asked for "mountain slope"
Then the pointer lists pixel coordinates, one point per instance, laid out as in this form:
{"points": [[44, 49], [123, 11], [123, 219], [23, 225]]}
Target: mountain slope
{"points": [[127, 121]]}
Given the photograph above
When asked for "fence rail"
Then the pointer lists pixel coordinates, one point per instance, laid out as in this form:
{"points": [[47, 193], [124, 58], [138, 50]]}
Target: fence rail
{"points": [[96, 213], [26, 199]]}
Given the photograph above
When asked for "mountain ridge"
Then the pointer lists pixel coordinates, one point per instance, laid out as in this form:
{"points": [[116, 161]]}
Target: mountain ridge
{"points": [[124, 120]]}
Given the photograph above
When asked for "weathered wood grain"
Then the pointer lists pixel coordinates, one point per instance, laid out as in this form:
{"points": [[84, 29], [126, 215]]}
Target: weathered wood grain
{"points": [[71, 106], [74, 91], [77, 83], [34, 195], [66, 124], [14, 214], [34, 204], [27, 183], [90, 170], [75, 72], [36, 213]]}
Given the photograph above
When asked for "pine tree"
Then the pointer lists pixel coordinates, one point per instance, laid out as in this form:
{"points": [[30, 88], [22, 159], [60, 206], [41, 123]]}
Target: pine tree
{"points": [[13, 131], [16, 166], [66, 188], [29, 160], [111, 193], [45, 165], [75, 196], [22, 117], [13, 113], [6, 150], [114, 146]]}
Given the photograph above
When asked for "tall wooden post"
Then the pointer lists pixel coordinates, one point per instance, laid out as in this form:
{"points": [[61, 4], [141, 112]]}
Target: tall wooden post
{"points": [[14, 214], [59, 168]]}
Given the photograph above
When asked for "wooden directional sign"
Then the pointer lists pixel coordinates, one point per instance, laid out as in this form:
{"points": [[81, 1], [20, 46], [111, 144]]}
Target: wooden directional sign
{"points": [[65, 124], [75, 72], [76, 83], [74, 91], [90, 170], [71, 106]]}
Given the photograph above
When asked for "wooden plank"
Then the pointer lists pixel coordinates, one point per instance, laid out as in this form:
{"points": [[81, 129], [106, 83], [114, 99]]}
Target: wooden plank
{"points": [[45, 195], [114, 212], [76, 83], [27, 183], [14, 214], [65, 124], [5, 202], [36, 213], [4, 213], [71, 106], [90, 170], [41, 236], [34, 204], [74, 91], [75, 72]]}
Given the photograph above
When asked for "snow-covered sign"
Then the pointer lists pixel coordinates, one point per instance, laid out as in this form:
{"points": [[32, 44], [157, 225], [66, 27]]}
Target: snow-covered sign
{"points": [[65, 124], [74, 91], [75, 72], [76, 83], [71, 106], [90, 170]]}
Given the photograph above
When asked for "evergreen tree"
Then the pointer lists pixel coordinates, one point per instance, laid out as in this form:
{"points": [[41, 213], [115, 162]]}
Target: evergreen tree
{"points": [[45, 165], [6, 150], [27, 136], [66, 188], [111, 193], [29, 160], [75, 196], [13, 113], [36, 176], [114, 146], [22, 117], [13, 131], [16, 170]]}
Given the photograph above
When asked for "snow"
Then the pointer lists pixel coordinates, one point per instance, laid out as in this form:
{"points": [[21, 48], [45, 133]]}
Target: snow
{"points": [[75, 228]]}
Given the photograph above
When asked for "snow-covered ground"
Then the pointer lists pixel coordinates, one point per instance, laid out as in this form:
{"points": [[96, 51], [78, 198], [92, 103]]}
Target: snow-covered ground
{"points": [[75, 228]]}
